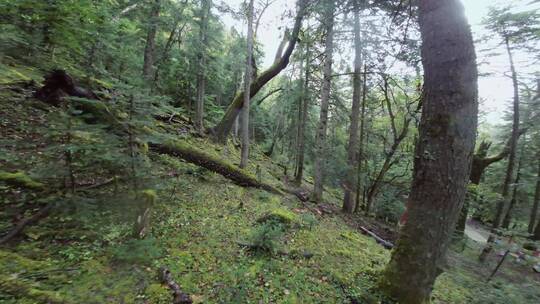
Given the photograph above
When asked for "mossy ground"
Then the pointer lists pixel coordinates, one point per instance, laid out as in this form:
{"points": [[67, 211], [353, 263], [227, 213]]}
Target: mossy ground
{"points": [[85, 253]]}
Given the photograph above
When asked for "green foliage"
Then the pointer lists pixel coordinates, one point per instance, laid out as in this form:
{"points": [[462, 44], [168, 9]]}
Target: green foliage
{"points": [[141, 252], [482, 202], [265, 238]]}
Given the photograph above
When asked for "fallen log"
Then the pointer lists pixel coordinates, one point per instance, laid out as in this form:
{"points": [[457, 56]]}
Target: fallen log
{"points": [[210, 162], [179, 297], [386, 244], [21, 225]]}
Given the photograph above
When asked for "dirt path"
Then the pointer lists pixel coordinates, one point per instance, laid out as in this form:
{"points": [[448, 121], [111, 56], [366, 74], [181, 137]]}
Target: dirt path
{"points": [[476, 233]]}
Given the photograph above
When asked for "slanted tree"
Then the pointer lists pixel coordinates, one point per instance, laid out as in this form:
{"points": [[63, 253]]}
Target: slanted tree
{"points": [[223, 128], [398, 132], [320, 141], [443, 153], [350, 183]]}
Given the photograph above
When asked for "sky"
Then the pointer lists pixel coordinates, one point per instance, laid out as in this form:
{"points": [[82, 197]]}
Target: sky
{"points": [[495, 90]]}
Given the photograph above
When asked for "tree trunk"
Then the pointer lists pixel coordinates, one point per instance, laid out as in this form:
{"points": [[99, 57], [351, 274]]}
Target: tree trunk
{"points": [[350, 183], [150, 48], [443, 154], [513, 142], [201, 57], [247, 83], [301, 143], [361, 141], [222, 130], [320, 141], [536, 202], [513, 200]]}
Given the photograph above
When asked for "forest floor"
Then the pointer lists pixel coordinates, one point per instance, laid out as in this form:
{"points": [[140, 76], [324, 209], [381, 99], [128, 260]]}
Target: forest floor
{"points": [[84, 252]]}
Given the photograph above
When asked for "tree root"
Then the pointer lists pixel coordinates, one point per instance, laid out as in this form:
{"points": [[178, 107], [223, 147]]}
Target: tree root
{"points": [[21, 225], [179, 297]]}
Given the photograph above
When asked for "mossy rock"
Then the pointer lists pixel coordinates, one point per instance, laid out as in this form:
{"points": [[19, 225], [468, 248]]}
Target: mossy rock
{"points": [[20, 179], [279, 215]]}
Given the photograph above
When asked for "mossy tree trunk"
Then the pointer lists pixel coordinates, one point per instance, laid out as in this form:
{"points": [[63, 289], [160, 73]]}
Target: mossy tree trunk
{"points": [[443, 154]]}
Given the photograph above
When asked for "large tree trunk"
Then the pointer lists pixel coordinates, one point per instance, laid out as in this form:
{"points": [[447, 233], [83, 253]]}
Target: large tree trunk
{"points": [[201, 75], [536, 202], [150, 48], [247, 83], [320, 141], [443, 154], [350, 183], [304, 106], [222, 130]]}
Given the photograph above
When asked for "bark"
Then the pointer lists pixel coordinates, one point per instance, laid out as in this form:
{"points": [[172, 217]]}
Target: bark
{"points": [[513, 200], [351, 182], [443, 154], [361, 140], [301, 143], [247, 83], [320, 141], [201, 75], [150, 48], [513, 142], [222, 130], [536, 202], [205, 160]]}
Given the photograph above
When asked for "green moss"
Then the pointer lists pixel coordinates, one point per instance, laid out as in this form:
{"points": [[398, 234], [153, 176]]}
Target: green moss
{"points": [[158, 294], [279, 215], [20, 179]]}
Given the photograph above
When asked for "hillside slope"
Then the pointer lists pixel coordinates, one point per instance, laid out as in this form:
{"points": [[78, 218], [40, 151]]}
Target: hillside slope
{"points": [[223, 243]]}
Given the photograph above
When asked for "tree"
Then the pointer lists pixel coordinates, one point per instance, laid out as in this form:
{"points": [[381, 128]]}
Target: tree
{"points": [[201, 78], [223, 128], [350, 183], [150, 48], [443, 154], [398, 135], [247, 84], [303, 107], [320, 141]]}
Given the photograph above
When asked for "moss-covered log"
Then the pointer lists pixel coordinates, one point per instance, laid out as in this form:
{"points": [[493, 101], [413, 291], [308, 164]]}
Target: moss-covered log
{"points": [[20, 179], [210, 162]]}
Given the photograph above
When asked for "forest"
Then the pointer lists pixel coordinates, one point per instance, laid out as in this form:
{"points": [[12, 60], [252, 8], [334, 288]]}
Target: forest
{"points": [[269, 151]]}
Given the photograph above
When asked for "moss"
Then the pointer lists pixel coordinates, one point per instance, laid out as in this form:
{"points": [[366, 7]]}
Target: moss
{"points": [[20, 179], [279, 215], [22, 289], [150, 195], [158, 294]]}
